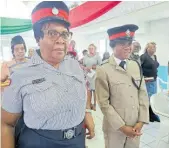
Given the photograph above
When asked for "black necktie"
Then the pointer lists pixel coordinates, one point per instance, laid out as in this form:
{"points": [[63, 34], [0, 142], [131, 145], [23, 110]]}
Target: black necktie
{"points": [[122, 63]]}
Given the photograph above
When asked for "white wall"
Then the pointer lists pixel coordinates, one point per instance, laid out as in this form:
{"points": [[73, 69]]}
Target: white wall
{"points": [[156, 31], [81, 42], [6, 44]]}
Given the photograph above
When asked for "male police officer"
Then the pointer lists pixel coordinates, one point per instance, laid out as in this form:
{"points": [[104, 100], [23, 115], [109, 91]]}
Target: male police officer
{"points": [[121, 92], [49, 90]]}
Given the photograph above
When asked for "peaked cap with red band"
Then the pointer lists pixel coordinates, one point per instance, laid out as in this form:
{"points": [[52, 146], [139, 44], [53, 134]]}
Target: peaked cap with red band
{"points": [[125, 32], [55, 11]]}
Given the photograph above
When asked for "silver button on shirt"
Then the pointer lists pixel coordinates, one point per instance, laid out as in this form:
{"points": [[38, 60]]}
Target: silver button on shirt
{"points": [[51, 98]]}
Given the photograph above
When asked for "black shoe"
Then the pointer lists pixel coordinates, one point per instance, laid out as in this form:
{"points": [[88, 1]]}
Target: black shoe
{"points": [[157, 119]]}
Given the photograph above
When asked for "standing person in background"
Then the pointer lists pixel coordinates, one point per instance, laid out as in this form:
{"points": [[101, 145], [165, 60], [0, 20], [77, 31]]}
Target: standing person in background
{"points": [[149, 66], [136, 47], [30, 52], [71, 35], [71, 49], [90, 62], [121, 92], [84, 52], [106, 56], [18, 48]]}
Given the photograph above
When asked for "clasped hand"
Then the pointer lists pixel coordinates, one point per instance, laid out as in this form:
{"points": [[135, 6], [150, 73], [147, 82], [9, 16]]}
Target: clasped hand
{"points": [[132, 132]]}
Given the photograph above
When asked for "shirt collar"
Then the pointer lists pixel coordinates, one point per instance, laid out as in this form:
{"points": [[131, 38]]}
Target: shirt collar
{"points": [[118, 61], [37, 60]]}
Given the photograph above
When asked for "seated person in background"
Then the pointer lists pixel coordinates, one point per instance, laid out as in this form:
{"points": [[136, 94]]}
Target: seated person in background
{"points": [[149, 66]]}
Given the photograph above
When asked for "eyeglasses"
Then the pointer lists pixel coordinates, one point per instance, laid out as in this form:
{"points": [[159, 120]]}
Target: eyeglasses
{"points": [[54, 34]]}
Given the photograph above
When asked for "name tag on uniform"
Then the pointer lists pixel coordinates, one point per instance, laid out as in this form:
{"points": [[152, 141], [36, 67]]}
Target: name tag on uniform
{"points": [[37, 81]]}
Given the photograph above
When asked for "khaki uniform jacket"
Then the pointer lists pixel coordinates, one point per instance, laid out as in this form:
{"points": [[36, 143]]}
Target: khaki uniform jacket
{"points": [[119, 99]]}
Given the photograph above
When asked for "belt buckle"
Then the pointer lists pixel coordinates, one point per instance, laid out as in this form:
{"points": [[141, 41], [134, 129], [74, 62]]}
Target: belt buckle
{"points": [[69, 134]]}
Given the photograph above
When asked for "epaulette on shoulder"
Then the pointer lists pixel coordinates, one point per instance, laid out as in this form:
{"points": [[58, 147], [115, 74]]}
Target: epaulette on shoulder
{"points": [[104, 62], [134, 61], [138, 65]]}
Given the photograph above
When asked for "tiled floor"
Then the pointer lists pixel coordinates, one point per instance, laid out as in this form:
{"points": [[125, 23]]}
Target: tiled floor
{"points": [[148, 139]]}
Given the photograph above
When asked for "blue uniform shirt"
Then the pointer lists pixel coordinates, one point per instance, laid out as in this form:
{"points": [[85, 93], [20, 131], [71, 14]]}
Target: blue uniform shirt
{"points": [[50, 98]]}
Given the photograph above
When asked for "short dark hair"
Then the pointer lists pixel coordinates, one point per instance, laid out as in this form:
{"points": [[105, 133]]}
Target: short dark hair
{"points": [[37, 29], [115, 42], [17, 40], [71, 33], [84, 51]]}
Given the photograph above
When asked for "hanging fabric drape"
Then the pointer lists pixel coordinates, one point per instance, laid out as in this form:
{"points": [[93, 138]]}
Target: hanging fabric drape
{"points": [[79, 16], [89, 11], [14, 25]]}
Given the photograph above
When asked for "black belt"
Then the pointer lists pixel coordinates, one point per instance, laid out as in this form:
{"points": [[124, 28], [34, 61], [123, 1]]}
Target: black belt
{"points": [[150, 80], [61, 134]]}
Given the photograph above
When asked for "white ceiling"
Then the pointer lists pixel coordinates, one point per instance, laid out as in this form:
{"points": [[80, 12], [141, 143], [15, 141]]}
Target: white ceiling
{"points": [[138, 12]]}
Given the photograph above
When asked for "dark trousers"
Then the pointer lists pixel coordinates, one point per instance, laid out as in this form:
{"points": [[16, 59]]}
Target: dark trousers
{"points": [[152, 89], [30, 138]]}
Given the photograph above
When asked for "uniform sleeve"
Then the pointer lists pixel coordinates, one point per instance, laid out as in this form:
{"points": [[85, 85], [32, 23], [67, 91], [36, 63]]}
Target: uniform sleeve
{"points": [[143, 104], [103, 95], [11, 97]]}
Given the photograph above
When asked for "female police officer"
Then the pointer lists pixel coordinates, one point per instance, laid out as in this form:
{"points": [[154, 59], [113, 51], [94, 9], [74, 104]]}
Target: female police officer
{"points": [[51, 93], [18, 47]]}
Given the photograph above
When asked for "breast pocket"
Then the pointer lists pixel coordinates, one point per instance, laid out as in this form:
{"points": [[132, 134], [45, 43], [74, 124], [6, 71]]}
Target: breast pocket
{"points": [[40, 87], [118, 87], [42, 97], [80, 88], [118, 93]]}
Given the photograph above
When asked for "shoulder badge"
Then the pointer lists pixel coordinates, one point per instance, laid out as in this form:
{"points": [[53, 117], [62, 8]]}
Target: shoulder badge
{"points": [[6, 83]]}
